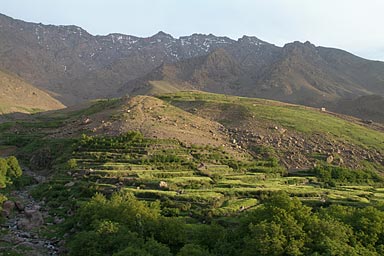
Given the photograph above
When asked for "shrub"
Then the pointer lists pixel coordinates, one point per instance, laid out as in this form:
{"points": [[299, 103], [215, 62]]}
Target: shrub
{"points": [[193, 250], [335, 174], [9, 170], [14, 169], [72, 164]]}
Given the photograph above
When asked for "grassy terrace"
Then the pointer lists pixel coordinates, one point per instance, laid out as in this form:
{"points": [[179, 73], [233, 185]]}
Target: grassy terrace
{"points": [[155, 169]]}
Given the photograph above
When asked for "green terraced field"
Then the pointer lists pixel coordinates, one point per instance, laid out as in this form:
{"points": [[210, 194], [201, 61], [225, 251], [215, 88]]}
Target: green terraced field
{"points": [[154, 169]]}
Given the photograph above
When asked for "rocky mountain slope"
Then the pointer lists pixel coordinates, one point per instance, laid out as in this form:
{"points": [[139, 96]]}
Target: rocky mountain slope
{"points": [[298, 73], [368, 108], [77, 66]]}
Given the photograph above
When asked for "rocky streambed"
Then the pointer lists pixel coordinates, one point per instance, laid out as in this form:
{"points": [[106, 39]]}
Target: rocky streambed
{"points": [[24, 220]]}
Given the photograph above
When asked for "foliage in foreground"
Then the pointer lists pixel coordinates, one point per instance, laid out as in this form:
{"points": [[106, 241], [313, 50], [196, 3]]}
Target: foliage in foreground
{"points": [[122, 225], [9, 170]]}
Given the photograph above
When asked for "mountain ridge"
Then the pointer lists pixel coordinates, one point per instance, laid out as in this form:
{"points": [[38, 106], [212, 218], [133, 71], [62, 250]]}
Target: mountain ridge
{"points": [[66, 56], [77, 66]]}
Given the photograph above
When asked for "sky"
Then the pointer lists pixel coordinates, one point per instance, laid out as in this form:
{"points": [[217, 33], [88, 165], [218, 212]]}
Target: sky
{"points": [[352, 25]]}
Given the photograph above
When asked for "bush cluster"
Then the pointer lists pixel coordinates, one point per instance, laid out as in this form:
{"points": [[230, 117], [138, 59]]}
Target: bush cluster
{"points": [[9, 170], [122, 225]]}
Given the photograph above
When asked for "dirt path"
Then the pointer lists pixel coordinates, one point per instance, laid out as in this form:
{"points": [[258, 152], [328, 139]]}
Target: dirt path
{"points": [[20, 232]]}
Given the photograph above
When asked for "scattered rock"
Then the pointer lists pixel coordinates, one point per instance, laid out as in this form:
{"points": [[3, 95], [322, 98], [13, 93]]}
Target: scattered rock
{"points": [[368, 121], [338, 161], [33, 218], [58, 220], [69, 184], [201, 166], [22, 226], [163, 184], [25, 235], [330, 159], [86, 121]]}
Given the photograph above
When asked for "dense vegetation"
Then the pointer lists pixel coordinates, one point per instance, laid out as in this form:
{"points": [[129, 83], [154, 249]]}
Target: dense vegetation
{"points": [[332, 175], [281, 225]]}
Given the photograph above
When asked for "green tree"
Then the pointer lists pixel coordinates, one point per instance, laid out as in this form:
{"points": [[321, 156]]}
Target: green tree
{"points": [[330, 237], [265, 238], [85, 243], [193, 250], [132, 251], [156, 249], [277, 227]]}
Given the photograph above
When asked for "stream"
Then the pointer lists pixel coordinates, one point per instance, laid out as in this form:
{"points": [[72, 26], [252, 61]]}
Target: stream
{"points": [[21, 229]]}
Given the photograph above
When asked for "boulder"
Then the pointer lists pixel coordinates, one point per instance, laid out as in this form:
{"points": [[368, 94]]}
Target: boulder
{"points": [[69, 184], [163, 184], [338, 161], [19, 206], [86, 121], [58, 220], [33, 218], [8, 207]]}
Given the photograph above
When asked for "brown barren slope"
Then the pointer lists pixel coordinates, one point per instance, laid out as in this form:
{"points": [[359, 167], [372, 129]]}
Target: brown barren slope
{"points": [[18, 96]]}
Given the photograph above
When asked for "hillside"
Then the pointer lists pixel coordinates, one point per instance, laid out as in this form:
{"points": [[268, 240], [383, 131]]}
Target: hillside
{"points": [[77, 66], [298, 136], [18, 96], [162, 171]]}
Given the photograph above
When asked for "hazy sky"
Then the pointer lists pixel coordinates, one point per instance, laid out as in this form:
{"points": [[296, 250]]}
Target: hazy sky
{"points": [[353, 25]]}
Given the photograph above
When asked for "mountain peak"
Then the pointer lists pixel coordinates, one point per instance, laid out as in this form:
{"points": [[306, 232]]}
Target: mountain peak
{"points": [[251, 40], [162, 34], [300, 44]]}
